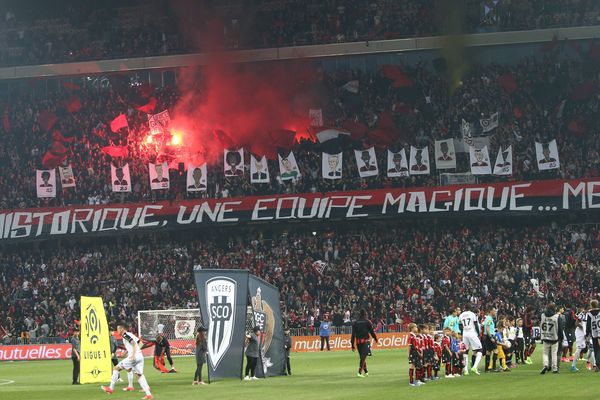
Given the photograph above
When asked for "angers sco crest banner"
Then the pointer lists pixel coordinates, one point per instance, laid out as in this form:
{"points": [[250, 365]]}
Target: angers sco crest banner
{"points": [[223, 298], [96, 365]]}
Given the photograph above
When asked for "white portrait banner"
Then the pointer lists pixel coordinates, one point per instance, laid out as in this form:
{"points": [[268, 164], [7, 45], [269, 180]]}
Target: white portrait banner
{"points": [[288, 167], [120, 178], [419, 161], [45, 182], [259, 170], [503, 165], [67, 179], [445, 155], [196, 178], [547, 155], [159, 176], [397, 164], [366, 162], [331, 165], [479, 159]]}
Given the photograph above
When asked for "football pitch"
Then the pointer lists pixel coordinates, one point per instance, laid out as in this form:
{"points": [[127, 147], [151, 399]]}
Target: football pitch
{"points": [[315, 376]]}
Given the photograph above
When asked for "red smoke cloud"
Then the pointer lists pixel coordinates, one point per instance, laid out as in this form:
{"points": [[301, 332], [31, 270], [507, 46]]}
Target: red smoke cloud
{"points": [[251, 104]]}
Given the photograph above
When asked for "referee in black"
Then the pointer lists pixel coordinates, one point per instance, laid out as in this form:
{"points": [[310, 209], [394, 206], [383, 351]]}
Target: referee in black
{"points": [[361, 329]]}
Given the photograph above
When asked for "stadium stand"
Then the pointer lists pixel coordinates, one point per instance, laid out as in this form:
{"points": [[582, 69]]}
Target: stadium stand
{"points": [[550, 99], [411, 272], [116, 29]]}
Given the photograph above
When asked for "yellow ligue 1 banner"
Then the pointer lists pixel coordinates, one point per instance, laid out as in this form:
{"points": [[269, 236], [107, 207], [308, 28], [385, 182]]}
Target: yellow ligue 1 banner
{"points": [[96, 363]]}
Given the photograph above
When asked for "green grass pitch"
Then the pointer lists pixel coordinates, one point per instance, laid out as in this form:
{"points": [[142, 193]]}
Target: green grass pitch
{"points": [[318, 376]]}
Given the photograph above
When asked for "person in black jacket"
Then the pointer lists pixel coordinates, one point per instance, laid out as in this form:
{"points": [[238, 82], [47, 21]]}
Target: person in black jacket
{"points": [[252, 353], [361, 329], [201, 349], [287, 345], [75, 349]]}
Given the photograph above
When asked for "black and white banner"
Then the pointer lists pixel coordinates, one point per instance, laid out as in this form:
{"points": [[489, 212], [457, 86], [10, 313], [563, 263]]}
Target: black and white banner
{"points": [[223, 300], [479, 159], [196, 178], [259, 171], [159, 176], [45, 182], [489, 124], [547, 155], [445, 156], [264, 299], [548, 197], [503, 165], [366, 162], [332, 165], [120, 178], [233, 162], [67, 179], [419, 161], [288, 168], [159, 123], [397, 164]]}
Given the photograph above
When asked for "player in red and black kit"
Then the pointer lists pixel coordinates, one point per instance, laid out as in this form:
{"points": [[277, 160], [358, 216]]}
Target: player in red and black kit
{"points": [[528, 334], [437, 349], [414, 355], [361, 329], [447, 353], [162, 348], [428, 352]]}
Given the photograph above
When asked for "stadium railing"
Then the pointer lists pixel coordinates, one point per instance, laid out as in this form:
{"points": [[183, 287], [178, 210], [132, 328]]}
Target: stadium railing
{"points": [[17, 341]]}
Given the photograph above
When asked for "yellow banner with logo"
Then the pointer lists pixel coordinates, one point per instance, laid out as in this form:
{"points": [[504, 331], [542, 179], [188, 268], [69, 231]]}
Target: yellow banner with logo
{"points": [[95, 354]]}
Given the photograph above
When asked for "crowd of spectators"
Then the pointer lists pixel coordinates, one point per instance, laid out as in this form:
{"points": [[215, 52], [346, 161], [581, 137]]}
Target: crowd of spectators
{"points": [[548, 98], [399, 273], [81, 31]]}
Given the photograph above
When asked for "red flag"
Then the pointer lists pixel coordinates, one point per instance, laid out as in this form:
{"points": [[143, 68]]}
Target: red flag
{"points": [[6, 122], [399, 78], [357, 129], [149, 107], [266, 150], [58, 149], [283, 138], [46, 120], [223, 138], [508, 83], [116, 151], [71, 86], [73, 104], [119, 122], [50, 161], [58, 137], [386, 132]]}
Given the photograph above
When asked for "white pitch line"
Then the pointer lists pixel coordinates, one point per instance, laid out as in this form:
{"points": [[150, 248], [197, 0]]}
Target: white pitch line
{"points": [[6, 382]]}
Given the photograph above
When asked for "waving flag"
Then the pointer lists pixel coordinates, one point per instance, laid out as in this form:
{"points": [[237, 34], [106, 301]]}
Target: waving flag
{"points": [[116, 151], [119, 122]]}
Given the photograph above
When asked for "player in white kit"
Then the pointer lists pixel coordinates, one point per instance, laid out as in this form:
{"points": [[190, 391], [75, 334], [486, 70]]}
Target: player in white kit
{"points": [[469, 326], [133, 363]]}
